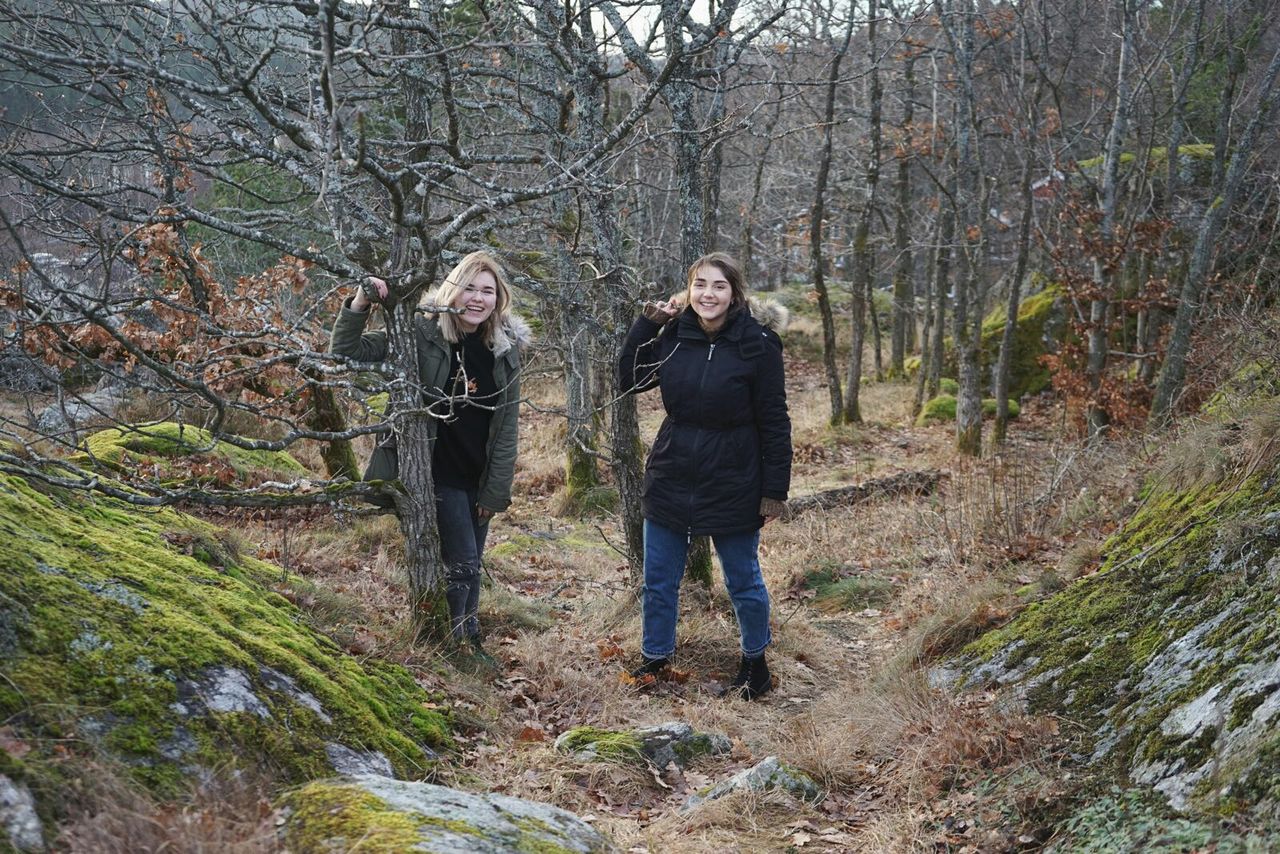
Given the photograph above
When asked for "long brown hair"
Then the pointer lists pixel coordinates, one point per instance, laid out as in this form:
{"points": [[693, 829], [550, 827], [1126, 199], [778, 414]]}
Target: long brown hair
{"points": [[725, 263]]}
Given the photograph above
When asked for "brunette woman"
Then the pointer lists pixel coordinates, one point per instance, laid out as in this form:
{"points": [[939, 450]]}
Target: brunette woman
{"points": [[721, 462]]}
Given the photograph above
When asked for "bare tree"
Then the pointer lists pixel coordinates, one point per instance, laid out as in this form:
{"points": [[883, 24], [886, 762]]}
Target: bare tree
{"points": [[817, 222], [379, 118], [863, 256], [1173, 371]]}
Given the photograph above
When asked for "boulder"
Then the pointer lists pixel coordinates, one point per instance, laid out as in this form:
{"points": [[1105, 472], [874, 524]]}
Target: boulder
{"points": [[767, 775], [69, 415], [381, 814], [18, 817], [659, 745], [147, 636], [1167, 656]]}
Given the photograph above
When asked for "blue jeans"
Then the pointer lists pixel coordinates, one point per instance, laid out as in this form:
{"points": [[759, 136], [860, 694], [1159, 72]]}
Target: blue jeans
{"points": [[665, 551], [462, 536]]}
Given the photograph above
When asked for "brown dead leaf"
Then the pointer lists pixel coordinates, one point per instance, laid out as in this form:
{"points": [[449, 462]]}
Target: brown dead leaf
{"points": [[608, 649], [12, 745], [531, 734]]}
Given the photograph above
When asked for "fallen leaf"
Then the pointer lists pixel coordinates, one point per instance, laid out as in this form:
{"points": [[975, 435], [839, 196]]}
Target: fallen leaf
{"points": [[609, 649], [531, 733], [12, 745], [800, 839]]}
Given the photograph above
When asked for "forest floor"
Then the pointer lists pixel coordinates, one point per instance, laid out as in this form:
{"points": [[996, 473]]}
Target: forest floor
{"points": [[865, 600]]}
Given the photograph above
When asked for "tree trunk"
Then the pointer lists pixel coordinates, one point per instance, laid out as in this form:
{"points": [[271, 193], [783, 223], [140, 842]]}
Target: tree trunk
{"points": [[941, 279], [903, 278], [325, 415], [862, 254], [1003, 366], [817, 215], [1099, 337], [970, 221]]}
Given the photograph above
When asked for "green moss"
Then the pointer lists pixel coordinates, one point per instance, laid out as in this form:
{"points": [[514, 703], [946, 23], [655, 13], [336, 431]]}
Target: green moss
{"points": [[943, 408], [940, 408], [989, 408], [946, 385], [1242, 709], [610, 746], [115, 615], [1134, 820], [120, 448], [1026, 374], [335, 817], [1188, 556], [535, 837], [1156, 158]]}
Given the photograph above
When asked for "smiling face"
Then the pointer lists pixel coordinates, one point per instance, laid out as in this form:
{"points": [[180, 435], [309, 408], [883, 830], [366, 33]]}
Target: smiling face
{"points": [[710, 294], [477, 299]]}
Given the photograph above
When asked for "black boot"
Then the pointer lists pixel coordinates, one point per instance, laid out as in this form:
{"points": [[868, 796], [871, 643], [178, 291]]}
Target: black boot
{"points": [[752, 681], [649, 670]]}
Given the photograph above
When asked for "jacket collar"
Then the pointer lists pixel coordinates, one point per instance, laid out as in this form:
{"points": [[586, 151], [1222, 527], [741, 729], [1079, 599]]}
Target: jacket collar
{"points": [[734, 325]]}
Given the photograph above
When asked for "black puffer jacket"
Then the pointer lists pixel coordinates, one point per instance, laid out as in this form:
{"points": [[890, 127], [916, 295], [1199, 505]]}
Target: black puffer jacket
{"points": [[726, 440]]}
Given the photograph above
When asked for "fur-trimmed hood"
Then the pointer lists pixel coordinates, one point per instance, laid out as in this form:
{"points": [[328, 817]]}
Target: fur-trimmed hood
{"points": [[514, 331], [769, 313]]}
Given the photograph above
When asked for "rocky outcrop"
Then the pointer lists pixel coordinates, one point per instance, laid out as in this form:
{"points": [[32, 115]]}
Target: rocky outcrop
{"points": [[380, 814], [148, 636], [18, 817], [1169, 655]]}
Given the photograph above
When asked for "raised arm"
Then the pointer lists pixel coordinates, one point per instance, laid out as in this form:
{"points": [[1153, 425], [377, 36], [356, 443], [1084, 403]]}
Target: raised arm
{"points": [[640, 358], [348, 337]]}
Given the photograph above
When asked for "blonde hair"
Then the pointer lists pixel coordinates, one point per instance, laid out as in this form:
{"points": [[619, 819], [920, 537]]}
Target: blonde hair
{"points": [[459, 277]]}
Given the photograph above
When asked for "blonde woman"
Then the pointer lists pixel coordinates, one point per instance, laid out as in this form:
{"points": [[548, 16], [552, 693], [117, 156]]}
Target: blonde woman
{"points": [[469, 365]]}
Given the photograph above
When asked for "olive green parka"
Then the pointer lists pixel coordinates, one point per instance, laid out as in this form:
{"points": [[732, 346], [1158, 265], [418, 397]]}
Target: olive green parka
{"points": [[349, 339]]}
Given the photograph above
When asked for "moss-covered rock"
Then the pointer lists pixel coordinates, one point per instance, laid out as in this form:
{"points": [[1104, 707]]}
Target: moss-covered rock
{"points": [[593, 744], [938, 409], [144, 634], [1038, 331], [767, 775], [1169, 656], [659, 745], [385, 816], [943, 408], [162, 445], [1035, 334]]}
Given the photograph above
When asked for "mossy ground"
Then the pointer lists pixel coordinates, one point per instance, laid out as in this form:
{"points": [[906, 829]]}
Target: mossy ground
{"points": [[610, 745], [105, 608], [1190, 567], [160, 445]]}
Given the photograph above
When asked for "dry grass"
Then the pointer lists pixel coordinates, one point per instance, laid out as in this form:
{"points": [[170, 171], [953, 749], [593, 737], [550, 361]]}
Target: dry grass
{"points": [[851, 705], [109, 815]]}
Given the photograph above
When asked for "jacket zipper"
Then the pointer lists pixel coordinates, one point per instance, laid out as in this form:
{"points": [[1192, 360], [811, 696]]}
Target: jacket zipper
{"points": [[702, 381]]}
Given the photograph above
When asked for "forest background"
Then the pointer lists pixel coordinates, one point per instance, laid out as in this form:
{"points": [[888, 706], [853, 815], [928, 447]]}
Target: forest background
{"points": [[188, 187]]}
